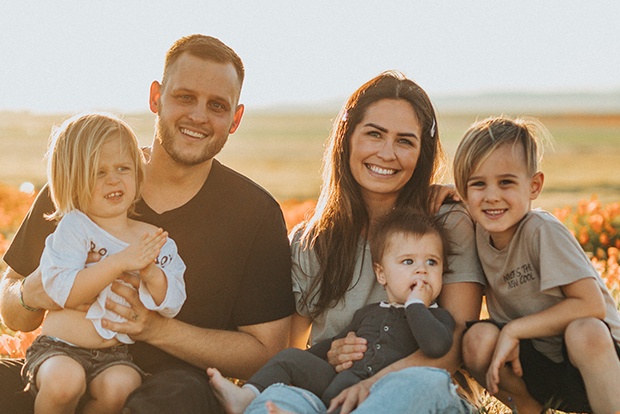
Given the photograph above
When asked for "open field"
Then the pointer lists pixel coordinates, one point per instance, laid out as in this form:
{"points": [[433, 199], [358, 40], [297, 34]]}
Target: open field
{"points": [[282, 151]]}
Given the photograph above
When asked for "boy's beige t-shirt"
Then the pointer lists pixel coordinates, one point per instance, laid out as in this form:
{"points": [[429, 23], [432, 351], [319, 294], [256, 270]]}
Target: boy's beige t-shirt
{"points": [[526, 276]]}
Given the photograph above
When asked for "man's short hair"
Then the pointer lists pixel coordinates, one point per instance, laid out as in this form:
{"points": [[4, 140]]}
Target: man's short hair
{"points": [[203, 47]]}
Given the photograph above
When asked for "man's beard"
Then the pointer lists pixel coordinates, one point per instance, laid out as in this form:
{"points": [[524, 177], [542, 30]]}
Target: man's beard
{"points": [[165, 136]]}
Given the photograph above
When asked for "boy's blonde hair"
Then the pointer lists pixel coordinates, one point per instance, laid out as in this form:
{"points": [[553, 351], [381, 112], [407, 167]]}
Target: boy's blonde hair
{"points": [[485, 136], [73, 157]]}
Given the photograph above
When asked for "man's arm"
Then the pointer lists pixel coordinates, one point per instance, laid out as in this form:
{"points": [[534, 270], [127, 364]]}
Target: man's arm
{"points": [[13, 313], [236, 354], [23, 258]]}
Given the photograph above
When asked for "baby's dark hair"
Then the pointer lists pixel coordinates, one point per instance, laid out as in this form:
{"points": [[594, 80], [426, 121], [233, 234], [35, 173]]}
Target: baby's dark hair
{"points": [[411, 223]]}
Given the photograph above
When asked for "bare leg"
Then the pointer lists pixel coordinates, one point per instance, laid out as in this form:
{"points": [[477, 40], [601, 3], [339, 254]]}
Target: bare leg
{"points": [[478, 346], [591, 350], [110, 389], [234, 399], [61, 382]]}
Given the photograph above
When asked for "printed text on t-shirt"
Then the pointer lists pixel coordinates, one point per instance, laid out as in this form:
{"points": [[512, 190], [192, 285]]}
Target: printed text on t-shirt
{"points": [[519, 276]]}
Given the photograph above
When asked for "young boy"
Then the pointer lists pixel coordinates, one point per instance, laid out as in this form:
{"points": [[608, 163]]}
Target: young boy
{"points": [[409, 254], [554, 334]]}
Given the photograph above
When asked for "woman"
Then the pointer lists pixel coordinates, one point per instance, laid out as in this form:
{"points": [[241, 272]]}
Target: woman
{"points": [[383, 152]]}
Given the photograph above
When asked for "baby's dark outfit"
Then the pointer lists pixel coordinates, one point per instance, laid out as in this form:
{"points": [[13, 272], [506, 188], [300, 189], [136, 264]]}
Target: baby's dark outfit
{"points": [[392, 331]]}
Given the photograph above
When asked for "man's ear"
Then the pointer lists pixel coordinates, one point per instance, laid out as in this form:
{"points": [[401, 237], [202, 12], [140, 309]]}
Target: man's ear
{"points": [[237, 118], [379, 272], [154, 95], [536, 185]]}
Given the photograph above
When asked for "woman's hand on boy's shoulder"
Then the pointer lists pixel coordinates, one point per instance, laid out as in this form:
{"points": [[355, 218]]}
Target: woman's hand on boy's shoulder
{"points": [[439, 194]]}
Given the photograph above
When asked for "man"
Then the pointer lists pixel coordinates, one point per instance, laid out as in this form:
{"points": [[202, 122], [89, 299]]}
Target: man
{"points": [[229, 231]]}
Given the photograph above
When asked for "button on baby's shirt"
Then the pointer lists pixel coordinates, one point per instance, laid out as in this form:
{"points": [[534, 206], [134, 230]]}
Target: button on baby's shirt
{"points": [[378, 346], [386, 328]]}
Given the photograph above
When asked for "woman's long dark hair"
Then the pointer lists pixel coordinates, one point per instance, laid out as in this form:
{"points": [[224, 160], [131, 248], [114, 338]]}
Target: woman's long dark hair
{"points": [[340, 217]]}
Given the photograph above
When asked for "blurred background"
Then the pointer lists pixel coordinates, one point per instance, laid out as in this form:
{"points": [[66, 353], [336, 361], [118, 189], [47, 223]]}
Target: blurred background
{"points": [[555, 60]]}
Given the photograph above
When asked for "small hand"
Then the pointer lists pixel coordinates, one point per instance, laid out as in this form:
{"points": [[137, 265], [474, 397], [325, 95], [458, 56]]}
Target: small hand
{"points": [[506, 351], [346, 350], [143, 253], [421, 290]]}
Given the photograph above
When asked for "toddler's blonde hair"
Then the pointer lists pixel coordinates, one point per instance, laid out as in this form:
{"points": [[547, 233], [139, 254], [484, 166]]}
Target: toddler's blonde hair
{"points": [[73, 156]]}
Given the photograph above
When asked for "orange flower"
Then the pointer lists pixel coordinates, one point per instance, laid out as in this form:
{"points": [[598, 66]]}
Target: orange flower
{"points": [[9, 346], [594, 204], [604, 239], [296, 211], [596, 222], [562, 213], [583, 237]]}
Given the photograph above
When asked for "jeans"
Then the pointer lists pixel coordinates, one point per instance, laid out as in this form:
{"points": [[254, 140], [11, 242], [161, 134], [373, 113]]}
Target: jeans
{"points": [[411, 390]]}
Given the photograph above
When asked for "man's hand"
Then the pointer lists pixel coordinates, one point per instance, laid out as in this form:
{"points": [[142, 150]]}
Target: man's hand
{"points": [[351, 397], [141, 323], [346, 350]]}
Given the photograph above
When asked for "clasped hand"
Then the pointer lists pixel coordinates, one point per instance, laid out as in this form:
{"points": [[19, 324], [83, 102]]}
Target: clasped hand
{"points": [[139, 320]]}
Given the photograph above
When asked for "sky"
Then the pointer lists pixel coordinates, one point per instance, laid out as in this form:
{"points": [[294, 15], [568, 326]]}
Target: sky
{"points": [[70, 56]]}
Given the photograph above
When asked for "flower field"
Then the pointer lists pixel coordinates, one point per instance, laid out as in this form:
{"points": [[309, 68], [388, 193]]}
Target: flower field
{"points": [[595, 225]]}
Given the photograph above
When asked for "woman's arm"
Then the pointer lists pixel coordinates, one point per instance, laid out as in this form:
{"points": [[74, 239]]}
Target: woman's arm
{"points": [[440, 194]]}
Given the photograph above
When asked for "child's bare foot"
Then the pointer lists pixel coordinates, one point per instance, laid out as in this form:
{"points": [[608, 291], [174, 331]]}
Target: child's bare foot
{"points": [[233, 398], [274, 409]]}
